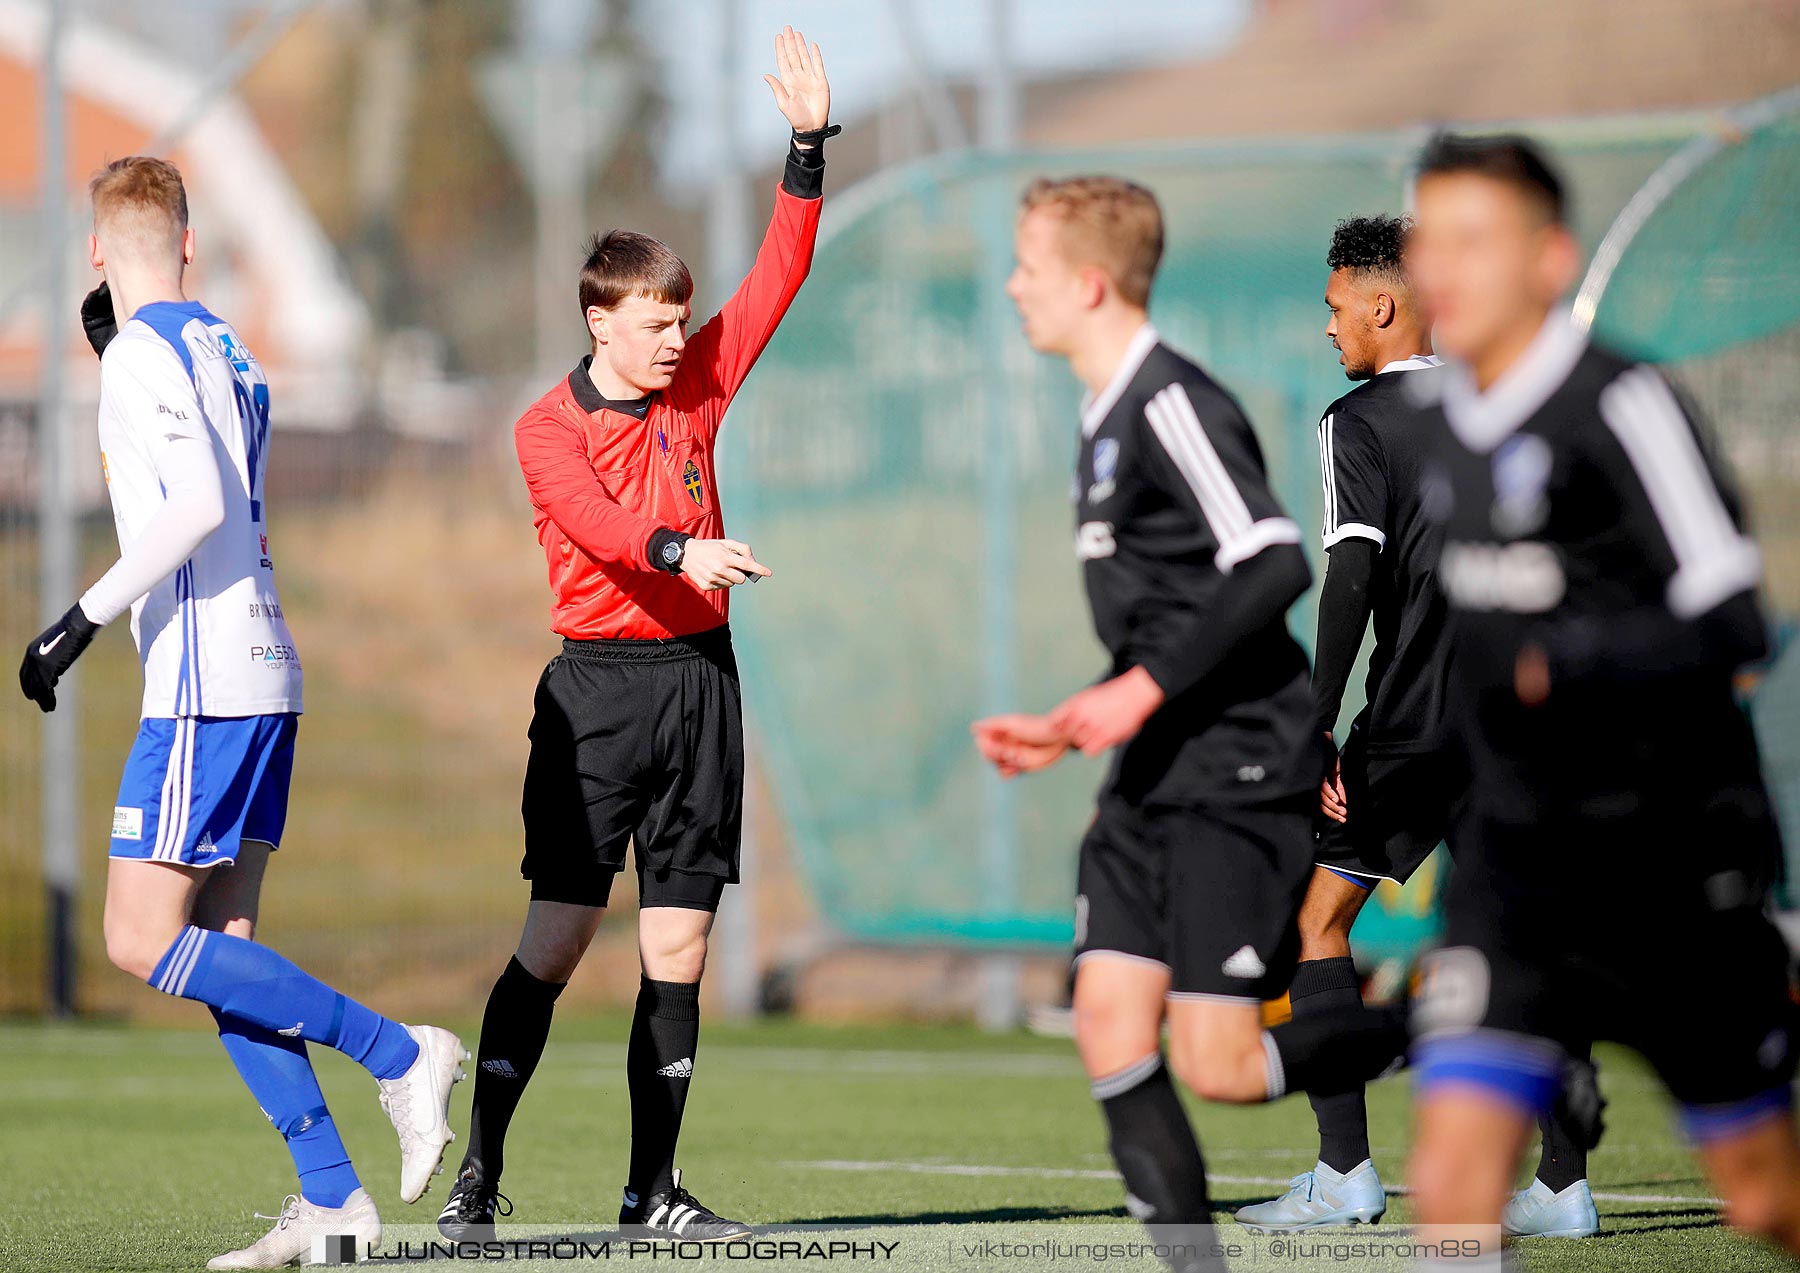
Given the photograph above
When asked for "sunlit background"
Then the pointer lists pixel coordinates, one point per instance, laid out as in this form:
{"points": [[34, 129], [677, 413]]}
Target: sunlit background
{"points": [[389, 199]]}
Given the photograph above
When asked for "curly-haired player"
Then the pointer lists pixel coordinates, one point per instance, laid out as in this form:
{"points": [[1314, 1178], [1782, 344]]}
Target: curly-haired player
{"points": [[1390, 797]]}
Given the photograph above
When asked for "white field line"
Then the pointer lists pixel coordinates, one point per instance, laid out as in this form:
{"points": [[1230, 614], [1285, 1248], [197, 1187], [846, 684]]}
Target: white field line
{"points": [[1080, 1173], [853, 1062]]}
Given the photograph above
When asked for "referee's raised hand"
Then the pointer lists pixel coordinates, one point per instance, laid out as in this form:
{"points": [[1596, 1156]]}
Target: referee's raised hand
{"points": [[721, 563], [801, 91]]}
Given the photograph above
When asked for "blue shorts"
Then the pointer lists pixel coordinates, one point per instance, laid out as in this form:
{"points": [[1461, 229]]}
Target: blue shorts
{"points": [[196, 787]]}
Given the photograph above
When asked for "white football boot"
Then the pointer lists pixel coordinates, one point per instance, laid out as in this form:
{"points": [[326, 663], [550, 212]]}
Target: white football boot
{"points": [[303, 1232], [1538, 1212], [418, 1103], [1320, 1198]]}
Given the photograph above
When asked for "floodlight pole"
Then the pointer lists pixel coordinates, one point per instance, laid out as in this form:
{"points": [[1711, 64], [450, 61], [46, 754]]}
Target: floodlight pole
{"points": [[728, 258], [998, 1007], [59, 768], [59, 771]]}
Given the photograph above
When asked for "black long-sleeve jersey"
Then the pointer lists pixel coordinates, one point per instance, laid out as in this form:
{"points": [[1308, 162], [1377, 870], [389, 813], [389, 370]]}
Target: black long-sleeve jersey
{"points": [[1190, 566], [1371, 454], [1584, 513]]}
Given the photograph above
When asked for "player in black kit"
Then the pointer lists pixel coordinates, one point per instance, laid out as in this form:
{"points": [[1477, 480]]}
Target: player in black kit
{"points": [[1387, 801], [1192, 873], [1602, 593], [1397, 789]]}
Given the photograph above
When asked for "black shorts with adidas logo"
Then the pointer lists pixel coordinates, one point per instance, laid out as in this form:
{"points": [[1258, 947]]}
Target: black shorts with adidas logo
{"points": [[1211, 893], [641, 742]]}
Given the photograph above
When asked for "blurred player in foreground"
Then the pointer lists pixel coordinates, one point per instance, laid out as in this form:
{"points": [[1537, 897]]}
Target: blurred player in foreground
{"points": [[637, 734], [1602, 594], [1396, 791], [1195, 866], [184, 436]]}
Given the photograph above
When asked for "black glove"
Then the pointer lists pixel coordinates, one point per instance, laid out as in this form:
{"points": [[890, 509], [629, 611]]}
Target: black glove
{"points": [[52, 654], [97, 318]]}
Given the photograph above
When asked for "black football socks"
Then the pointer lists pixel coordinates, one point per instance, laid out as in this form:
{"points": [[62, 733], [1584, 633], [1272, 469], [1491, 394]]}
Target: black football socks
{"points": [[1564, 1160], [659, 1065], [1320, 986], [1334, 1049], [1154, 1148], [513, 1032], [1153, 1144]]}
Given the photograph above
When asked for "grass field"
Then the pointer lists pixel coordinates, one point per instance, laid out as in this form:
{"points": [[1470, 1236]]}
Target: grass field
{"points": [[137, 1149]]}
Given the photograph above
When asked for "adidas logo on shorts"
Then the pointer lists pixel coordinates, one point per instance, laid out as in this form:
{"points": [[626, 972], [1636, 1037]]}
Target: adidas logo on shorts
{"points": [[1243, 963], [682, 1069], [503, 1068]]}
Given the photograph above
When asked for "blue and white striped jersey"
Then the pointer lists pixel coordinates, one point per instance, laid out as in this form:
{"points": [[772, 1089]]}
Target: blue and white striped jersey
{"points": [[211, 635]]}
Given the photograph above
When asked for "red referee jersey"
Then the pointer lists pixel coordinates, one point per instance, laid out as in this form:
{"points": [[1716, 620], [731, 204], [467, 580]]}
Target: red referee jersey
{"points": [[602, 481]]}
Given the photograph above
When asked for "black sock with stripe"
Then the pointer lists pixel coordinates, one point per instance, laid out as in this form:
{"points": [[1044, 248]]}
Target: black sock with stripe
{"points": [[659, 1065], [1153, 1144], [1154, 1148], [1334, 1050]]}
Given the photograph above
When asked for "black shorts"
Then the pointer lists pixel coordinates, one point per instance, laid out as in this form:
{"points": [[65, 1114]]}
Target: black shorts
{"points": [[638, 741], [1209, 893], [1648, 931], [1400, 808]]}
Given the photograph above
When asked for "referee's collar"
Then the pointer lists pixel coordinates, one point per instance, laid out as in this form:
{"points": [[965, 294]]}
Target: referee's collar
{"points": [[1480, 420], [590, 399], [1094, 408]]}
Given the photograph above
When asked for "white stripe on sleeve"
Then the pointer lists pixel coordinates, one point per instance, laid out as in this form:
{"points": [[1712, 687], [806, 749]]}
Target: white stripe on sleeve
{"points": [[1356, 530], [1328, 472], [1713, 560], [1335, 532], [1177, 426], [1270, 530]]}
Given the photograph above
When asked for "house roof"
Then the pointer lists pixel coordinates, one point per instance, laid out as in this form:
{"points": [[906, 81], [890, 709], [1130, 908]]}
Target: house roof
{"points": [[261, 257]]}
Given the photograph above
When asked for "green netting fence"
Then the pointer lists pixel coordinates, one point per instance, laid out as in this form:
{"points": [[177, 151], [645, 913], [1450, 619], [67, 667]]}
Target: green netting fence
{"points": [[907, 458]]}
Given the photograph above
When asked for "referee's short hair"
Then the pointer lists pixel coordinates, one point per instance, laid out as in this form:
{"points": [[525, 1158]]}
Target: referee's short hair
{"points": [[1109, 222], [1508, 157], [622, 263], [142, 199]]}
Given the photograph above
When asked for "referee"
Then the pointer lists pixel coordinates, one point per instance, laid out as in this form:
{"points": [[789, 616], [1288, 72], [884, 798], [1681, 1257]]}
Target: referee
{"points": [[637, 734]]}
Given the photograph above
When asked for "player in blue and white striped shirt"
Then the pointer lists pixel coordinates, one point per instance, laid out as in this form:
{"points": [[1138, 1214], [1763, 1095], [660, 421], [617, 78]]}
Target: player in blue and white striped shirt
{"points": [[184, 424]]}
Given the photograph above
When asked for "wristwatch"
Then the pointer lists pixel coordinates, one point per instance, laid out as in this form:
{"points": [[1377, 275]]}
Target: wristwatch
{"points": [[672, 553]]}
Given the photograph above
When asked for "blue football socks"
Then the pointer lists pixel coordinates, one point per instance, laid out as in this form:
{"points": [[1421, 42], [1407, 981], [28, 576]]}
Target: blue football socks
{"points": [[280, 1077], [253, 983]]}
